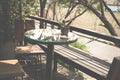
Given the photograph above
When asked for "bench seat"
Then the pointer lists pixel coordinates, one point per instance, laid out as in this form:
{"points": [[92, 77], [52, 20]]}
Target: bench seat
{"points": [[87, 63]]}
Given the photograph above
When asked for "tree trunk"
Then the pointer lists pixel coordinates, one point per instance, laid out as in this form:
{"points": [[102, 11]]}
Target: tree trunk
{"points": [[6, 30], [108, 26], [42, 9], [7, 50]]}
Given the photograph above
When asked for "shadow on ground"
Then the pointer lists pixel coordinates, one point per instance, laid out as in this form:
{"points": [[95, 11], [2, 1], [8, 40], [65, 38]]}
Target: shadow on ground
{"points": [[38, 73]]}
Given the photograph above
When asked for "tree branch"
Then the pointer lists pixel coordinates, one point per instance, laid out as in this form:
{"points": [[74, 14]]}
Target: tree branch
{"points": [[70, 9], [102, 18], [102, 10], [71, 20], [114, 17]]}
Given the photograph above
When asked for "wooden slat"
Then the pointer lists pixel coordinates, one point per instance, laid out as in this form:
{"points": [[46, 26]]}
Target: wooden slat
{"points": [[96, 34]]}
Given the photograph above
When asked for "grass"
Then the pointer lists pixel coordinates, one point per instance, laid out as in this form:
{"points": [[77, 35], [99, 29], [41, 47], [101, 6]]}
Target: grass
{"points": [[79, 45]]}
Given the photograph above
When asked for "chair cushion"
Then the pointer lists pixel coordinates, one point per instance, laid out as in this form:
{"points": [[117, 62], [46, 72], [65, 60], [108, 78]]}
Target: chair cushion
{"points": [[28, 49]]}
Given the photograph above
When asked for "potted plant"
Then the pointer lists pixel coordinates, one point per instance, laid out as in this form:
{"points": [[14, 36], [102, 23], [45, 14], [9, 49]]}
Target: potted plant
{"points": [[65, 26]]}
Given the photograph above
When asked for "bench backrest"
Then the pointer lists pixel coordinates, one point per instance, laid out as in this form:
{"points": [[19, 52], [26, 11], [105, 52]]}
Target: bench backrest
{"points": [[114, 72]]}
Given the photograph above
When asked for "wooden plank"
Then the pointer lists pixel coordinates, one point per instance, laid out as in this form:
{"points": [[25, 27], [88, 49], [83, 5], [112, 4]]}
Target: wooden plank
{"points": [[96, 34], [45, 20]]}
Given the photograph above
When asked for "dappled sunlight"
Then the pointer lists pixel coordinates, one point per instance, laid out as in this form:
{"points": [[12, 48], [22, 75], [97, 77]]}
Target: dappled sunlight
{"points": [[9, 62]]}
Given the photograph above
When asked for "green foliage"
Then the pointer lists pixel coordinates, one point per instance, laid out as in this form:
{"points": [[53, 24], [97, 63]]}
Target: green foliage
{"points": [[79, 45], [7, 15], [64, 3], [71, 68], [14, 10], [30, 7], [66, 65]]}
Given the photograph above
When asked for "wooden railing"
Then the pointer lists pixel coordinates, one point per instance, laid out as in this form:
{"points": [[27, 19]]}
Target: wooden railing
{"points": [[72, 28], [45, 20], [96, 34]]}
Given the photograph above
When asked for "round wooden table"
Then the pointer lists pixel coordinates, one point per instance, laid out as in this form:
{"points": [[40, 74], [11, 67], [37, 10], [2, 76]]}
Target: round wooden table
{"points": [[42, 36]]}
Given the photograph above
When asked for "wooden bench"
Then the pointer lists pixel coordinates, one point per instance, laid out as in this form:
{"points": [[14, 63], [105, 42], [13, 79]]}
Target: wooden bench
{"points": [[86, 63]]}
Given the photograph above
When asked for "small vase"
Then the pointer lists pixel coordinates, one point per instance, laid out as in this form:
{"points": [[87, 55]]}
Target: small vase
{"points": [[64, 31]]}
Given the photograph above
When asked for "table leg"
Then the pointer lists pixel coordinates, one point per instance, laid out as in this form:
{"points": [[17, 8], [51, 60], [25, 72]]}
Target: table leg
{"points": [[50, 62]]}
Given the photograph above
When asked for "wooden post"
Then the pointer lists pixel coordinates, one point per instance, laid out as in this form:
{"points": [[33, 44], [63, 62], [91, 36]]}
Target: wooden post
{"points": [[114, 72]]}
